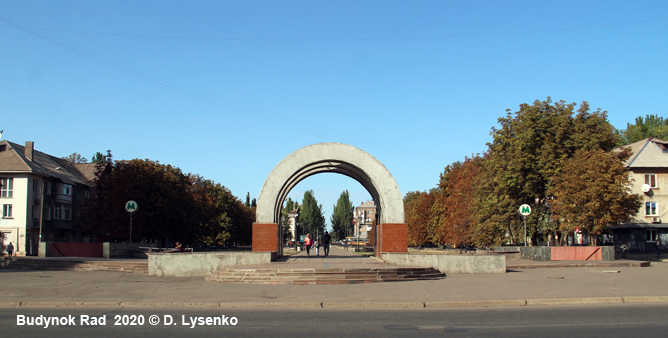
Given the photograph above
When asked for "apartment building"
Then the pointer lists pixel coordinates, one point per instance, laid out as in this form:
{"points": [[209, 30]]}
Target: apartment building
{"points": [[365, 217], [648, 167], [41, 196]]}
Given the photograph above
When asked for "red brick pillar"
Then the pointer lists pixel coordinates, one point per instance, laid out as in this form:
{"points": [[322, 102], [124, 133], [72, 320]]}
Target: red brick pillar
{"points": [[265, 237], [392, 237]]}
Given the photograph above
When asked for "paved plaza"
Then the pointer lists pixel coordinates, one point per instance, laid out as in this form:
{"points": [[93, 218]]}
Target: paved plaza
{"points": [[528, 286]]}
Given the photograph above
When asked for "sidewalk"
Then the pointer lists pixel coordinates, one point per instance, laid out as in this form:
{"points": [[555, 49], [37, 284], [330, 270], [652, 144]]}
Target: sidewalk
{"points": [[582, 285]]}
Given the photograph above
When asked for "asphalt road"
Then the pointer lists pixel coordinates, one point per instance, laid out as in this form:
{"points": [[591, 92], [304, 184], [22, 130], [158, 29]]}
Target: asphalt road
{"points": [[623, 320]]}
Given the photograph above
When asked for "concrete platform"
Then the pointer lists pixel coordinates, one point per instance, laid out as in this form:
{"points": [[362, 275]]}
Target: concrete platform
{"points": [[520, 264], [340, 267], [526, 287]]}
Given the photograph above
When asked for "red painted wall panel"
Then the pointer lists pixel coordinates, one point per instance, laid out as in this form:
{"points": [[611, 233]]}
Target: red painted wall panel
{"points": [[577, 253], [265, 237], [76, 249]]}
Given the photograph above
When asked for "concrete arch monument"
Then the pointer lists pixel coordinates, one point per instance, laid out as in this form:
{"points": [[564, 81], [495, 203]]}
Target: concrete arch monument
{"points": [[391, 232]]}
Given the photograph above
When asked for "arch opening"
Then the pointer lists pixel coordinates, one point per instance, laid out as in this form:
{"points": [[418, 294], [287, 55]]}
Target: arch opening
{"points": [[331, 158], [330, 166]]}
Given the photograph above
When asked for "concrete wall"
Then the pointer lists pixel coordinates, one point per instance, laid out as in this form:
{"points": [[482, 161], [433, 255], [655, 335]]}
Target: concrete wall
{"points": [[116, 250], [451, 263], [102, 250], [181, 264], [506, 248], [536, 253]]}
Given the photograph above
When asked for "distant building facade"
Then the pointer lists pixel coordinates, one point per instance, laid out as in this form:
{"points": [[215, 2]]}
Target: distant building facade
{"points": [[40, 194], [648, 166], [293, 218], [365, 218]]}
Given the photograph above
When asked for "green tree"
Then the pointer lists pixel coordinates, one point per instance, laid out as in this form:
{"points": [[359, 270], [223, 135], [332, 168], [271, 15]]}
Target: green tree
{"points": [[250, 203], [593, 191], [172, 206], [98, 158], [528, 149], [342, 216], [161, 192], [311, 218], [76, 158], [650, 126], [222, 218]]}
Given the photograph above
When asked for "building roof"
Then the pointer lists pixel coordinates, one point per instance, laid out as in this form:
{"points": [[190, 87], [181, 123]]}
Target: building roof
{"points": [[368, 205], [648, 153], [13, 160], [88, 170]]}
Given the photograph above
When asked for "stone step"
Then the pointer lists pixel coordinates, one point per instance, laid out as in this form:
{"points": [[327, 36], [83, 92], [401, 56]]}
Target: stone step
{"points": [[76, 265], [321, 276]]}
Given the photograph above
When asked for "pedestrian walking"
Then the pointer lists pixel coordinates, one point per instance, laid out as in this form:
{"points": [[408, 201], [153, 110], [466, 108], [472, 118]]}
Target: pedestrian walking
{"points": [[658, 247], [326, 239], [624, 248], [308, 241], [317, 248], [10, 249]]}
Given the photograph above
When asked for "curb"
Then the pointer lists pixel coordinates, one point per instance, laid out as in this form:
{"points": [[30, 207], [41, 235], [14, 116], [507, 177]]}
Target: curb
{"points": [[575, 301], [348, 305], [67, 304], [476, 303], [646, 299]]}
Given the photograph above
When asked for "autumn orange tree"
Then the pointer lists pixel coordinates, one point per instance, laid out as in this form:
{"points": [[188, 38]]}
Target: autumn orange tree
{"points": [[477, 201], [418, 213], [592, 191], [452, 211]]}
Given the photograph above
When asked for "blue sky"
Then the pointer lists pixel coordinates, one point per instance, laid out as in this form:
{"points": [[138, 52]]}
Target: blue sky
{"points": [[227, 89]]}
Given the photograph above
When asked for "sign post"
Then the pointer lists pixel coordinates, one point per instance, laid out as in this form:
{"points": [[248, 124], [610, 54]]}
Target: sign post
{"points": [[525, 210], [131, 207]]}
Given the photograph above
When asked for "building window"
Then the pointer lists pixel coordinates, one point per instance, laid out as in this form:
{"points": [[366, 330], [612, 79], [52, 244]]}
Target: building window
{"points": [[650, 179], [7, 189], [47, 191], [6, 211], [67, 189], [47, 213], [35, 211], [62, 211], [651, 208], [651, 235]]}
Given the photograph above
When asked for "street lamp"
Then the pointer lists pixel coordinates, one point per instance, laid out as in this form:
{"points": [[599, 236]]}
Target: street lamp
{"points": [[359, 227], [298, 237]]}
